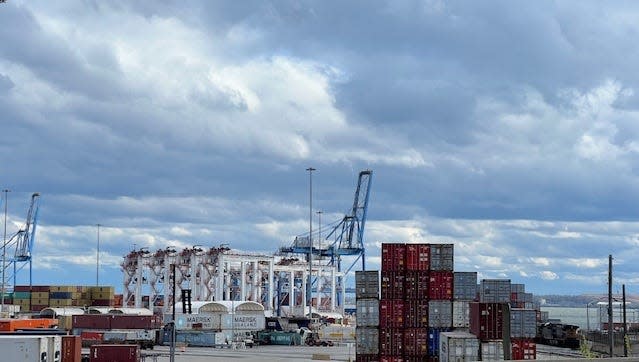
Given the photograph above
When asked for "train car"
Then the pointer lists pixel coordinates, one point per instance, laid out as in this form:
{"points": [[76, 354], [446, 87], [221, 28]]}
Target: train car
{"points": [[559, 334]]}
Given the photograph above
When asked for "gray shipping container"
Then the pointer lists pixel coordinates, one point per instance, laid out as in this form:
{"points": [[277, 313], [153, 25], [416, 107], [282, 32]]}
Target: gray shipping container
{"points": [[527, 297], [465, 286], [494, 291], [367, 340], [458, 347], [517, 288], [523, 323], [366, 284], [440, 314], [441, 257], [492, 351], [461, 314], [367, 313]]}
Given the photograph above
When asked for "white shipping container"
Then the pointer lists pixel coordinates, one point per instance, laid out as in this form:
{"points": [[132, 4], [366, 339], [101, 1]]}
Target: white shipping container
{"points": [[492, 351], [26, 348], [208, 321], [458, 347], [461, 314], [243, 322], [55, 348]]}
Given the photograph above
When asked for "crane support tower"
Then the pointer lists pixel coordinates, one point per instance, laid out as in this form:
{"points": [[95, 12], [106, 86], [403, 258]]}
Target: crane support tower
{"points": [[223, 274]]}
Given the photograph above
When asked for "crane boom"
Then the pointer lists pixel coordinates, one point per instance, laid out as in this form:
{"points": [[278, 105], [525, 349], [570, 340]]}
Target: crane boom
{"points": [[26, 236]]}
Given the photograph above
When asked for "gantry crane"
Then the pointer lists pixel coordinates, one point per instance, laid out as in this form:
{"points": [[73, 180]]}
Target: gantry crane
{"points": [[24, 239], [347, 235]]}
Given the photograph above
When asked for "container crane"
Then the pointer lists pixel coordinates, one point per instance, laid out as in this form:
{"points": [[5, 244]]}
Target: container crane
{"points": [[347, 235], [25, 238]]}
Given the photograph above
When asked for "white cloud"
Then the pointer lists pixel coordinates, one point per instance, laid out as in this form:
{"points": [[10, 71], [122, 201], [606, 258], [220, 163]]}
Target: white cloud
{"points": [[548, 275]]}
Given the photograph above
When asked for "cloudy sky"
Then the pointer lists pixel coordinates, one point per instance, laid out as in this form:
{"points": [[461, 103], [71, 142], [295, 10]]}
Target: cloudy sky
{"points": [[508, 128]]}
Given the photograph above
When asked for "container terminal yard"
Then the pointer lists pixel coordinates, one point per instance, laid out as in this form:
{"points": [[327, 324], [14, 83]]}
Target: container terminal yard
{"points": [[214, 302]]}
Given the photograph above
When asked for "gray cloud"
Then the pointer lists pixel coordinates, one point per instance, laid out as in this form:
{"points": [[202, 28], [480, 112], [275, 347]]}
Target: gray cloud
{"points": [[507, 128]]}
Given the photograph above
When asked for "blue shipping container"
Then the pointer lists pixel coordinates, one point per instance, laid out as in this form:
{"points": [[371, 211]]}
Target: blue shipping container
{"points": [[433, 340], [60, 295]]}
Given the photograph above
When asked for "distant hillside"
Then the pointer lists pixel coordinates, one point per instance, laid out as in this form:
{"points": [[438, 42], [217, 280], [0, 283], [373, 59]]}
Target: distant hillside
{"points": [[579, 300]]}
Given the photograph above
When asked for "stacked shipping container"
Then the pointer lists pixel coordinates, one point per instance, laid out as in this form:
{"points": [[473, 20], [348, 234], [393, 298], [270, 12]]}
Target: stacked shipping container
{"points": [[37, 297], [427, 310], [368, 311], [500, 324]]}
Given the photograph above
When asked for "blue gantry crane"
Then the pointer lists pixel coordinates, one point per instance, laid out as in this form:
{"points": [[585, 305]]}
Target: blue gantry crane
{"points": [[346, 236], [24, 239]]}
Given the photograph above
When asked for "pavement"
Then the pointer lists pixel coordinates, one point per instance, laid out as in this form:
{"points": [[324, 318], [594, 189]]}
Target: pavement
{"points": [[258, 353]]}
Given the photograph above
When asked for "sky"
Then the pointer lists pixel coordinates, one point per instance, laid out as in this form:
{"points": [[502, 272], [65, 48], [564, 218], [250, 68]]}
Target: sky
{"points": [[510, 129]]}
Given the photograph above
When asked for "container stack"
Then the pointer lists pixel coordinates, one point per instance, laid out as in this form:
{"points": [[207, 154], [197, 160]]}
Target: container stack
{"points": [[31, 298], [37, 297], [416, 297], [391, 305], [441, 290], [367, 322], [464, 292], [501, 320], [487, 320], [523, 329]]}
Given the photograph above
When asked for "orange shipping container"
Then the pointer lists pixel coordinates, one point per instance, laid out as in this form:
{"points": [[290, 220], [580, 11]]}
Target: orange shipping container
{"points": [[11, 325]]}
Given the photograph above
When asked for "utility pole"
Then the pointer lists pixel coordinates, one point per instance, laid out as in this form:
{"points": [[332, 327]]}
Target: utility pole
{"points": [[310, 239], [4, 246], [172, 348], [611, 330], [625, 325], [97, 262]]}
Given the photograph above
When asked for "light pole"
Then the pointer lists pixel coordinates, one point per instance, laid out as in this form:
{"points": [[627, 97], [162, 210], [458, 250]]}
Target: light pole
{"points": [[97, 261], [310, 240], [4, 245], [319, 246]]}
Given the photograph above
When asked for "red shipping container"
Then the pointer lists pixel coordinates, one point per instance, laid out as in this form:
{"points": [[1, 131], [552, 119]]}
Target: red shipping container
{"points": [[38, 307], [89, 338], [417, 358], [441, 285], [393, 285], [391, 313], [416, 342], [416, 285], [114, 353], [418, 257], [513, 297], [486, 320], [390, 341], [523, 349], [393, 257], [71, 349], [91, 321], [21, 288], [416, 313], [391, 359], [102, 302], [135, 322]]}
